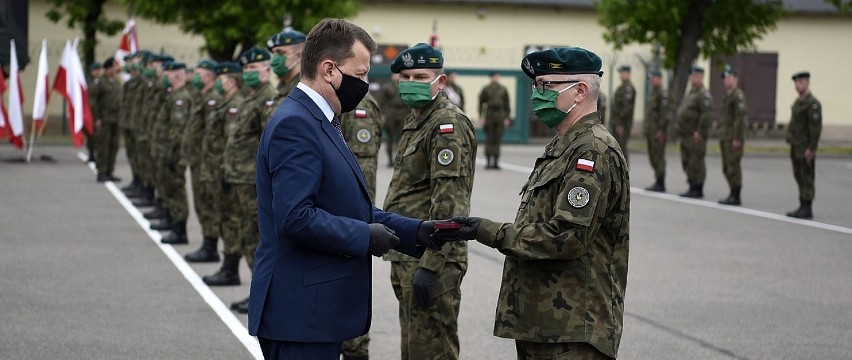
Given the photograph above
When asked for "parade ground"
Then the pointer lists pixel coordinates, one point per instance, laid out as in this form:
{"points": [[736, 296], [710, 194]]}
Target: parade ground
{"points": [[81, 277]]}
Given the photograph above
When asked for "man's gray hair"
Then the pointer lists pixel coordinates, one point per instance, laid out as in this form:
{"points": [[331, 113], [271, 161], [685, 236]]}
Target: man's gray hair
{"points": [[594, 82]]}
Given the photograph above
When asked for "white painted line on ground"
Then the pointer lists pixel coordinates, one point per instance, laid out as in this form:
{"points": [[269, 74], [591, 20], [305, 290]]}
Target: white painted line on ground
{"points": [[704, 203], [225, 314]]}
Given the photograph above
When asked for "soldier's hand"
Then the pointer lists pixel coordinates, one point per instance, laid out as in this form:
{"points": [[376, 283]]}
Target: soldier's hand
{"points": [[697, 137], [226, 186], [382, 239], [737, 144], [424, 235], [661, 137], [809, 155], [467, 231], [424, 285]]}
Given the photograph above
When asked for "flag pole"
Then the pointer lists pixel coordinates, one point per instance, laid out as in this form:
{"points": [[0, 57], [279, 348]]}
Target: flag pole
{"points": [[32, 143]]}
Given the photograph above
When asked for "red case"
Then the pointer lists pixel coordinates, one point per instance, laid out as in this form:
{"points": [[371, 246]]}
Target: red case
{"points": [[447, 225]]}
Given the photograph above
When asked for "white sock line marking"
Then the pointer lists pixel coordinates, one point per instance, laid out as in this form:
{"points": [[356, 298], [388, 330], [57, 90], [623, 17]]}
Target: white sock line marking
{"points": [[704, 203], [225, 314]]}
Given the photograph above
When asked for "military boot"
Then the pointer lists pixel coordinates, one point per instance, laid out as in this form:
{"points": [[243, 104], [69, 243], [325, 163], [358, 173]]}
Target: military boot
{"points": [[228, 274], [165, 223], [803, 212], [733, 198], [490, 162], [659, 186], [134, 185], [240, 306], [206, 253], [146, 200], [695, 191], [177, 236], [496, 165], [157, 213]]}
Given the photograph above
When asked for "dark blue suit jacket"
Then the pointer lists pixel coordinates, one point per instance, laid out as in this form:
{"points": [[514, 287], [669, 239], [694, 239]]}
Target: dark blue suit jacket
{"points": [[311, 280]]}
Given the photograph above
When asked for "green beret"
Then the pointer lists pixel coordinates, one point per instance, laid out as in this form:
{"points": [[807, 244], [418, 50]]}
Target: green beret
{"points": [[653, 73], [206, 64], [729, 70], [802, 75], [147, 56], [228, 67], [420, 56], [173, 65], [564, 60], [94, 66], [624, 68], [696, 70], [253, 55], [284, 38]]}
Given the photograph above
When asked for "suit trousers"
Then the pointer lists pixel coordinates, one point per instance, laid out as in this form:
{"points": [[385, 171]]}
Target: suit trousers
{"points": [[289, 350]]}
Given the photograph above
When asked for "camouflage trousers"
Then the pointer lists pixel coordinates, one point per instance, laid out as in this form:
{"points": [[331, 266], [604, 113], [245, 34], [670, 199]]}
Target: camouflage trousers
{"points": [[558, 351], [205, 196], [130, 151], [731, 163], [804, 172], [692, 159], [144, 162], [173, 185], [657, 156], [106, 147], [494, 129], [431, 333], [229, 221], [358, 347], [249, 234], [90, 143]]}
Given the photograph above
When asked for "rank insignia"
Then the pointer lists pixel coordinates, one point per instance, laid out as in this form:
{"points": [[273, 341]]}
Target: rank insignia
{"points": [[578, 197], [363, 135], [445, 157]]}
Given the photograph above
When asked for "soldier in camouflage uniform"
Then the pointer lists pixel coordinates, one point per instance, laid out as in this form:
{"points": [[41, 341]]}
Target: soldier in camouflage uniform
{"points": [[454, 91], [194, 149], [105, 95], [286, 48], [128, 93], [138, 124], [602, 108], [95, 71], [433, 178], [655, 127], [217, 129], [803, 136], [241, 151], [565, 272], [158, 134], [623, 103], [171, 120], [362, 130], [494, 112], [732, 134], [395, 111], [693, 124]]}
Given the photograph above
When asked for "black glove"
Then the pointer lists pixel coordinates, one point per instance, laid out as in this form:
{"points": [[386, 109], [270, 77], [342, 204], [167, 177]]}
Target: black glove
{"points": [[424, 285], [382, 239], [424, 235], [470, 225], [226, 186]]}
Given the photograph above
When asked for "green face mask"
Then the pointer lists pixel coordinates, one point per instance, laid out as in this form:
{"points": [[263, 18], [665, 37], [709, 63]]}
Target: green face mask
{"points": [[416, 94], [219, 88], [279, 65], [251, 78], [544, 106], [166, 83], [149, 73], [196, 81]]}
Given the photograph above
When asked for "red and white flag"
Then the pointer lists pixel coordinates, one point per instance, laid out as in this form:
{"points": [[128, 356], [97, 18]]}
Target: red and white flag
{"points": [[446, 128], [433, 39], [4, 128], [42, 91], [70, 81], [585, 165], [15, 118], [129, 42]]}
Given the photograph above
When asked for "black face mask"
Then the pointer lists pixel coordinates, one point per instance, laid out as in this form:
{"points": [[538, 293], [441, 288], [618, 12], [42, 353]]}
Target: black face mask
{"points": [[351, 91]]}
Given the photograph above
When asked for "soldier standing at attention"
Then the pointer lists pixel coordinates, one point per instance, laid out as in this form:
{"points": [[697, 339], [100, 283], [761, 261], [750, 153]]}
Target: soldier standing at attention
{"points": [[622, 109], [565, 272], [432, 179], [454, 91], [803, 136], [732, 134], [602, 107], [286, 48], [194, 149], [128, 93], [95, 71], [494, 114], [139, 117], [106, 105], [394, 111], [241, 151], [693, 124], [655, 127]]}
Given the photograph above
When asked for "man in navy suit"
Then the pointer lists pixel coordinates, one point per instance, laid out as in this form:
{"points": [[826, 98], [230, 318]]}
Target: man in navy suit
{"points": [[311, 285]]}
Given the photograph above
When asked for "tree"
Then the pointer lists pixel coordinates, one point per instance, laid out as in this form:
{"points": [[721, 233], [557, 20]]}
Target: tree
{"points": [[89, 15], [686, 29], [231, 25], [841, 5]]}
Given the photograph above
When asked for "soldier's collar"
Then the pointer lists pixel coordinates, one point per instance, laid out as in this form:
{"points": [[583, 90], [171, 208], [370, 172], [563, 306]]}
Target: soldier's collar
{"points": [[557, 147], [428, 110]]}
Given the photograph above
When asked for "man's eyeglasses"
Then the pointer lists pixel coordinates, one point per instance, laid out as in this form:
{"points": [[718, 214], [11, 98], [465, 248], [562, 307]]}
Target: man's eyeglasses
{"points": [[539, 85]]}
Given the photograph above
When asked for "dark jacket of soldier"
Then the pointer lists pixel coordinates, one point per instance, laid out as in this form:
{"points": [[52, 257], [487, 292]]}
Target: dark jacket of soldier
{"points": [[734, 113], [621, 111], [656, 114], [694, 113], [244, 136], [362, 129], [226, 111], [805, 124]]}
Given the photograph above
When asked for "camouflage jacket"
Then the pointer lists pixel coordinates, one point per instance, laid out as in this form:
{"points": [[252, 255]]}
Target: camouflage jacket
{"points": [[565, 271], [225, 115], [433, 174], [393, 108], [105, 97], [240, 154], [151, 103], [284, 88], [694, 112], [622, 106], [362, 129], [602, 108], [805, 123], [656, 114], [734, 116], [171, 121], [494, 102], [140, 110], [193, 134], [128, 96]]}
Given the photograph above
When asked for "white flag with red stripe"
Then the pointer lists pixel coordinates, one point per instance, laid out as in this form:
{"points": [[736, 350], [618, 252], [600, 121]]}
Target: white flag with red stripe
{"points": [[585, 165], [4, 128], [71, 83], [16, 100], [42, 90]]}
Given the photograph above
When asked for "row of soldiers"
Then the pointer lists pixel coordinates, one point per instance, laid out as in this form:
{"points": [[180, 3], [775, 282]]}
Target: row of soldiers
{"points": [[694, 117]]}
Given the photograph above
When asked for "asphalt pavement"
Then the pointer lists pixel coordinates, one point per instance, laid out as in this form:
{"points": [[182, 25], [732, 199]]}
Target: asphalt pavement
{"points": [[81, 279]]}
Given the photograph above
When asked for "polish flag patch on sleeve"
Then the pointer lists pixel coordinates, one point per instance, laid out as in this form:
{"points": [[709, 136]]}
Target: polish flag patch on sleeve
{"points": [[447, 128], [585, 165], [360, 113]]}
